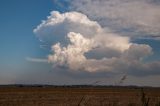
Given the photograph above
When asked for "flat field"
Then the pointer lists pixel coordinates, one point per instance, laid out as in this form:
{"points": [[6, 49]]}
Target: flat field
{"points": [[86, 96]]}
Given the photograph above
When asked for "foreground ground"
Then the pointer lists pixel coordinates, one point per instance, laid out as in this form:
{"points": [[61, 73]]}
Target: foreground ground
{"points": [[91, 96]]}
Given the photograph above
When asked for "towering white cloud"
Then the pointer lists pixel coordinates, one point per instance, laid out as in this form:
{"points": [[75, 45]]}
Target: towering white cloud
{"points": [[83, 36], [72, 55]]}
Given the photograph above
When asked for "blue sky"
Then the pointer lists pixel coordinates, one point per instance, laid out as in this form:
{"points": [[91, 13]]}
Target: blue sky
{"points": [[18, 19], [21, 47]]}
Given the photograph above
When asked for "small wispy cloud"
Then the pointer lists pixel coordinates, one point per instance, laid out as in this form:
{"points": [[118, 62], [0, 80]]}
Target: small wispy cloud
{"points": [[36, 59]]}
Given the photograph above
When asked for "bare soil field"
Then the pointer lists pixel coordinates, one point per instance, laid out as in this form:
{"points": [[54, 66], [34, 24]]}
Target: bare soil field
{"points": [[68, 96]]}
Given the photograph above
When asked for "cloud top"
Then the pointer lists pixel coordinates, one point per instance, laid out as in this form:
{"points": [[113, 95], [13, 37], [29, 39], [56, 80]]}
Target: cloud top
{"points": [[59, 25]]}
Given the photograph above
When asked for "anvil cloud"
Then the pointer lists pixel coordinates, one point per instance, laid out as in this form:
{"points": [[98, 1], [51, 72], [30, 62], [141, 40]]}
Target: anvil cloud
{"points": [[138, 17]]}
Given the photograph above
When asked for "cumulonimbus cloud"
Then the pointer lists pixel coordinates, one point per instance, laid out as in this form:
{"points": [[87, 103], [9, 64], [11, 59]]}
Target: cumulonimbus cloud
{"points": [[82, 36]]}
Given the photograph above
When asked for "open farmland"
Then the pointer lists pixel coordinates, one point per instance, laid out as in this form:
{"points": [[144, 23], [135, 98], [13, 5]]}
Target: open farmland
{"points": [[74, 96]]}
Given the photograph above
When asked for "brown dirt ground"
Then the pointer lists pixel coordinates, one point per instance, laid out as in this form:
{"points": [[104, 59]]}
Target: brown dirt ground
{"points": [[50, 96]]}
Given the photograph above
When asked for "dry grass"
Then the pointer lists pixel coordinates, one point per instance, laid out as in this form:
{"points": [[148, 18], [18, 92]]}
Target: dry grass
{"points": [[49, 96]]}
